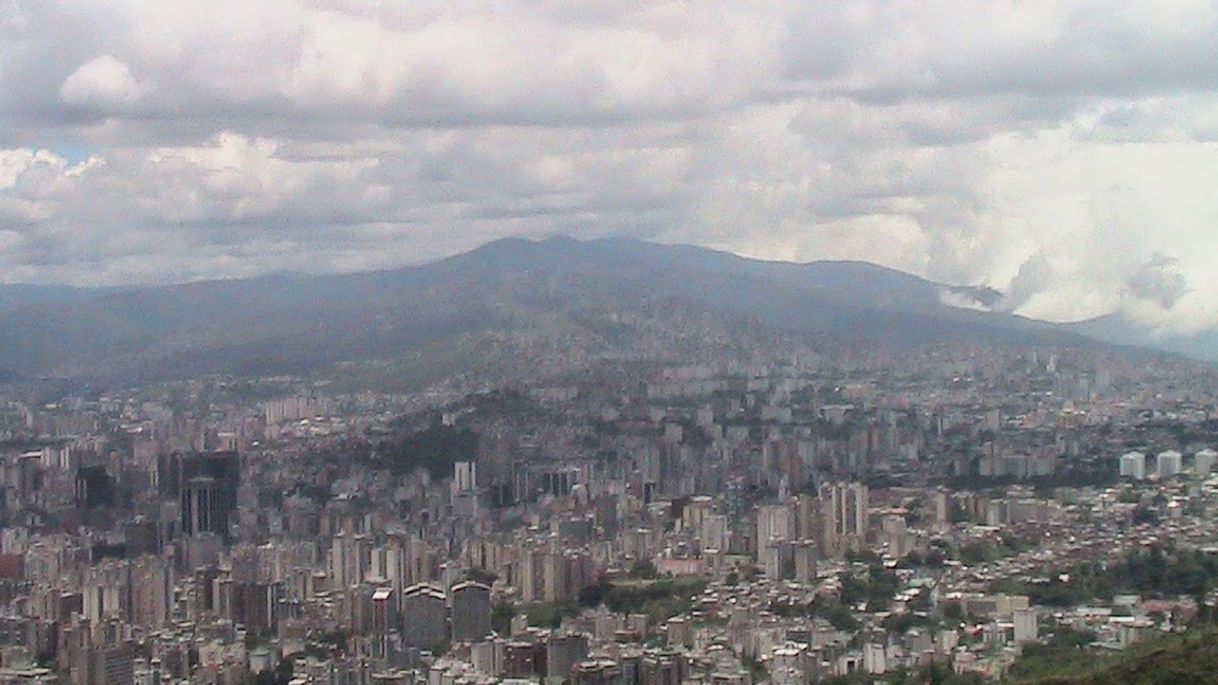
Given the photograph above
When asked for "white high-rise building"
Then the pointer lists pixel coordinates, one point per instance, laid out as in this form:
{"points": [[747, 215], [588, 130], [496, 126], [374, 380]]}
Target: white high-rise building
{"points": [[804, 552], [714, 532], [1170, 463], [774, 522], [1025, 625], [1203, 461], [845, 511], [1133, 465], [875, 658], [465, 476]]}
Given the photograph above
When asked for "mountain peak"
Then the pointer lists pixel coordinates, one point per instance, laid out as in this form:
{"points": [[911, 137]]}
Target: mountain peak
{"points": [[557, 284]]}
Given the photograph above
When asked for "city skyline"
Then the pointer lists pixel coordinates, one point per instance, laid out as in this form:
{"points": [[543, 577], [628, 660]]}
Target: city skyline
{"points": [[610, 342]]}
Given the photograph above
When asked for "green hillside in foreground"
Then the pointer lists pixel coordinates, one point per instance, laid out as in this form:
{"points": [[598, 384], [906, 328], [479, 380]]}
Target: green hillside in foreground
{"points": [[1190, 657]]}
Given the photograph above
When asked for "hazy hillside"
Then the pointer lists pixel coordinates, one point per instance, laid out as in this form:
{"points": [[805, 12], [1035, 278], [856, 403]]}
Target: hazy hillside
{"points": [[20, 295], [612, 296], [1119, 330]]}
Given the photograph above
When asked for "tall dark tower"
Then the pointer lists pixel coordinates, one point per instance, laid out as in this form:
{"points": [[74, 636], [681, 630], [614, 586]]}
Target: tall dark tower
{"points": [[204, 508], [206, 486], [94, 487]]}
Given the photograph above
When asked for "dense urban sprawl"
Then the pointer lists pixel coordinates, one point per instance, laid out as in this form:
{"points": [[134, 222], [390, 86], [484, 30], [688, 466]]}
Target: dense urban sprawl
{"points": [[789, 520]]}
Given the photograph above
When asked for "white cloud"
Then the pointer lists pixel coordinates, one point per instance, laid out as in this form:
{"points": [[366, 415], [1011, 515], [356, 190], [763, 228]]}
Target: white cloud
{"points": [[1059, 151], [103, 82]]}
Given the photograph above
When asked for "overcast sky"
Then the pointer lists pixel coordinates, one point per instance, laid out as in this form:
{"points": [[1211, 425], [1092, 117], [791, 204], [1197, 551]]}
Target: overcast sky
{"points": [[1063, 152]]}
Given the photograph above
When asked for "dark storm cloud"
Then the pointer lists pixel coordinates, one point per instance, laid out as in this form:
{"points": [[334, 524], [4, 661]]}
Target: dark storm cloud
{"points": [[1160, 281]]}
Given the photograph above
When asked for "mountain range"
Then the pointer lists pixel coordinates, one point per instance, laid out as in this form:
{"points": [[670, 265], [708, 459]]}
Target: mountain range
{"points": [[495, 305]]}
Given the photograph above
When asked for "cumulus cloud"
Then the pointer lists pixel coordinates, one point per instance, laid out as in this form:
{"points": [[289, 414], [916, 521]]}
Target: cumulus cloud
{"points": [[103, 82], [1055, 151]]}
